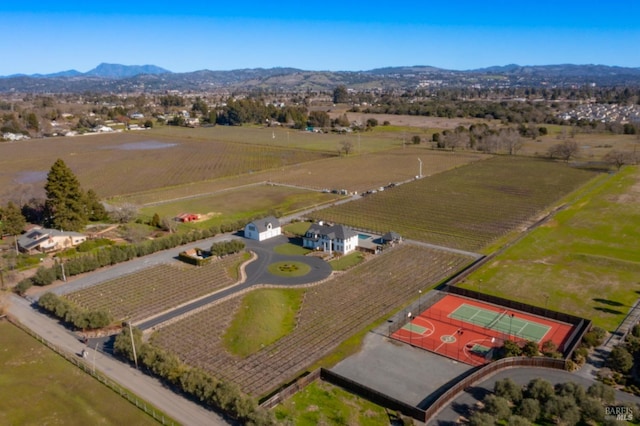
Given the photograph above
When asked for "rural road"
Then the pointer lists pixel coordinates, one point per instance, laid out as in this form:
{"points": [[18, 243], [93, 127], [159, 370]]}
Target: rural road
{"points": [[146, 387]]}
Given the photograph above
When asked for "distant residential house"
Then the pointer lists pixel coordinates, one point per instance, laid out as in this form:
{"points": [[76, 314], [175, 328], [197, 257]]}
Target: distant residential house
{"points": [[42, 240], [338, 238], [263, 229]]}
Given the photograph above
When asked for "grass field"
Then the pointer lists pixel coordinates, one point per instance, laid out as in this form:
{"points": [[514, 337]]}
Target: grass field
{"points": [[468, 207], [242, 203], [584, 262], [39, 387], [264, 316], [322, 403]]}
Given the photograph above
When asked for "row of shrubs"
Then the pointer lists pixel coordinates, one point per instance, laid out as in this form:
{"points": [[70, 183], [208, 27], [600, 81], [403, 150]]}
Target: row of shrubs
{"points": [[108, 255], [207, 389], [539, 402], [530, 349], [220, 249], [224, 248], [72, 314]]}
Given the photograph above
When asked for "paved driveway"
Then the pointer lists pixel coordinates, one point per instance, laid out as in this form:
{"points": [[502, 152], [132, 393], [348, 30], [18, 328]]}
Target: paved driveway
{"points": [[257, 272]]}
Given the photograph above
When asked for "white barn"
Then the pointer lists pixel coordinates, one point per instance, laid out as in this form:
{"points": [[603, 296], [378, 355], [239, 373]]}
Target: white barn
{"points": [[263, 229]]}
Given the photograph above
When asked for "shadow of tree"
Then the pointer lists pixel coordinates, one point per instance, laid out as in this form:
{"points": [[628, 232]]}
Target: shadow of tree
{"points": [[607, 302], [608, 310]]}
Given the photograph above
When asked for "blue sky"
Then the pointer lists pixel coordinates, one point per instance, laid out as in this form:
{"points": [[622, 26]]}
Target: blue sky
{"points": [[329, 35]]}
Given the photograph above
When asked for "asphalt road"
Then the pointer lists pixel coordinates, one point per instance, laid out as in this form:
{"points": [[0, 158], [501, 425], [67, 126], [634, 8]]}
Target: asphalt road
{"points": [[146, 387]]}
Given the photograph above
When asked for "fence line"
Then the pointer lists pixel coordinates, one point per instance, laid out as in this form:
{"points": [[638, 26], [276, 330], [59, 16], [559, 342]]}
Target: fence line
{"points": [[157, 415], [446, 398]]}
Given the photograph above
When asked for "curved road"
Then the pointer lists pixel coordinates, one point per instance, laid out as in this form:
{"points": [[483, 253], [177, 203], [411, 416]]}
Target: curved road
{"points": [[257, 274]]}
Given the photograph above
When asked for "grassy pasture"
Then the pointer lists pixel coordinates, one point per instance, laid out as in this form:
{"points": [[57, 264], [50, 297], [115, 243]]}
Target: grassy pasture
{"points": [[466, 208], [141, 294], [593, 146], [322, 403], [330, 313], [585, 261], [40, 387], [241, 203]]}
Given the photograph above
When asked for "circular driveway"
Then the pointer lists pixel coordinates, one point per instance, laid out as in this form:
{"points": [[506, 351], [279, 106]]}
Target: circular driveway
{"points": [[257, 270]]}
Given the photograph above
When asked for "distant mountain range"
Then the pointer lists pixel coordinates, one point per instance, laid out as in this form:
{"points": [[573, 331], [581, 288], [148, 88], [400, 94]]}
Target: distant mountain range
{"points": [[151, 78], [115, 71]]}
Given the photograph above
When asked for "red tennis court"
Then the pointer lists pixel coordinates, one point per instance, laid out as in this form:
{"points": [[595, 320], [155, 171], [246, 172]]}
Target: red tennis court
{"points": [[469, 330]]}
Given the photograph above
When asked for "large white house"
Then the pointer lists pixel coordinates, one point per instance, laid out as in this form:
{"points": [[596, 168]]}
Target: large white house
{"points": [[45, 240], [263, 229], [338, 238]]}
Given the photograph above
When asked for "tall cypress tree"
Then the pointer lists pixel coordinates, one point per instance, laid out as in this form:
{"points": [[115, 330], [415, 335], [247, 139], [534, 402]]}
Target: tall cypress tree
{"points": [[65, 205], [12, 222]]}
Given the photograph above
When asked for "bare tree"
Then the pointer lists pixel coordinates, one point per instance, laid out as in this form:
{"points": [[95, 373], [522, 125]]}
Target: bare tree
{"points": [[511, 140], [168, 224], [346, 147], [565, 150], [618, 158], [123, 214]]}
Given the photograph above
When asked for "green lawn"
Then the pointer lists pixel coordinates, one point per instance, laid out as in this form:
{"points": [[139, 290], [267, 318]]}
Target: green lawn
{"points": [[38, 387], [345, 262], [585, 261], [264, 317], [289, 269], [291, 249], [321, 403], [297, 228], [239, 204]]}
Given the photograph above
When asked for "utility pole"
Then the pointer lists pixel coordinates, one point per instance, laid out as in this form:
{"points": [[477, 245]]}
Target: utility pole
{"points": [[133, 345]]}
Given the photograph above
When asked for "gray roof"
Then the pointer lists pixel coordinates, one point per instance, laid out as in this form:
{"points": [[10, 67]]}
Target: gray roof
{"points": [[35, 237], [391, 236], [332, 232], [262, 224]]}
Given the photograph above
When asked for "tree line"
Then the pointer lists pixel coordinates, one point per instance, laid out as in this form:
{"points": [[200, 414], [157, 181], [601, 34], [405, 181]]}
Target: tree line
{"points": [[203, 387], [540, 402], [72, 314], [106, 256]]}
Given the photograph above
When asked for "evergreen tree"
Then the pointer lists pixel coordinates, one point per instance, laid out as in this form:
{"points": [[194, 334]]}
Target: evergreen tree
{"points": [[95, 210], [12, 222], [65, 205]]}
